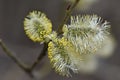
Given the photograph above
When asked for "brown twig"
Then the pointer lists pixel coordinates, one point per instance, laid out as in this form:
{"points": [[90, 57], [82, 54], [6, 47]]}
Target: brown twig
{"points": [[67, 16], [15, 59], [40, 57]]}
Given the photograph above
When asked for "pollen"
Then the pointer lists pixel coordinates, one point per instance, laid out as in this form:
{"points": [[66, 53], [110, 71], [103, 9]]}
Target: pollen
{"points": [[58, 56], [37, 26], [63, 57]]}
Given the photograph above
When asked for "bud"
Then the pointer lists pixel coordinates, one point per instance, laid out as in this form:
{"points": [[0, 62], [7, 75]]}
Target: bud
{"points": [[37, 26]]}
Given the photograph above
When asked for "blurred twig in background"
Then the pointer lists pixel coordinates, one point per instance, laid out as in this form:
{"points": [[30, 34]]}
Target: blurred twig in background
{"points": [[15, 59]]}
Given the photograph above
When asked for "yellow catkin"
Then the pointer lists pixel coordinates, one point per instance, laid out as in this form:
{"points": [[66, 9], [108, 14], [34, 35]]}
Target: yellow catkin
{"points": [[37, 26], [63, 56]]}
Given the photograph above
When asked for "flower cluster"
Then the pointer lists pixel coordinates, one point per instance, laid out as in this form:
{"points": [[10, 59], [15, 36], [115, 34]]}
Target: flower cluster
{"points": [[58, 55], [86, 31], [37, 26], [74, 50]]}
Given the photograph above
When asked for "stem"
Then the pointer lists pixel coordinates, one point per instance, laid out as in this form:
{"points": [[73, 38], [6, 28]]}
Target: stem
{"points": [[40, 57], [14, 58], [27, 69], [67, 16]]}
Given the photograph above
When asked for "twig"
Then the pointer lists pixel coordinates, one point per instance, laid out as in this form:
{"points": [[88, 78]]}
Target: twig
{"points": [[16, 60], [27, 69], [42, 54], [67, 16]]}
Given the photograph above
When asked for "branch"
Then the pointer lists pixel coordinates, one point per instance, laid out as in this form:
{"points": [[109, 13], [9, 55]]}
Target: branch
{"points": [[67, 16], [40, 57], [14, 58], [27, 69]]}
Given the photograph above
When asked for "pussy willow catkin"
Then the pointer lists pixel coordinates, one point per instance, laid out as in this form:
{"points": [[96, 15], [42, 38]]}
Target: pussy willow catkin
{"points": [[37, 26], [87, 33], [83, 37]]}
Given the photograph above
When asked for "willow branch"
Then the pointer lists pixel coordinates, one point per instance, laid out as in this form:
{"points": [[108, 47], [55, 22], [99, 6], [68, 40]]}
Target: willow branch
{"points": [[67, 16], [27, 69], [15, 59], [40, 57]]}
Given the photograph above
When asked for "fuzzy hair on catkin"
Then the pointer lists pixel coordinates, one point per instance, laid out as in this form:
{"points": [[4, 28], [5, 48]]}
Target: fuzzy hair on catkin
{"points": [[37, 26], [87, 33], [82, 38]]}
